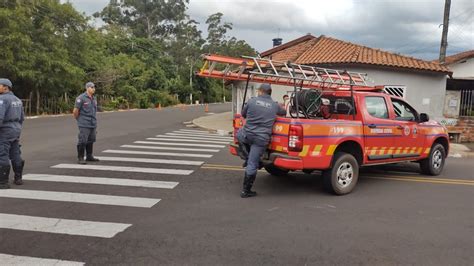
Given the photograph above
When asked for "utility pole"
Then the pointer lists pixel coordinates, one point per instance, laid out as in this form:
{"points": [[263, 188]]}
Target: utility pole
{"points": [[444, 37]]}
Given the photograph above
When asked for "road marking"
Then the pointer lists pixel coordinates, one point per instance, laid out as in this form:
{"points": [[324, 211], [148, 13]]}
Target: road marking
{"points": [[186, 140], [147, 160], [182, 136], [167, 148], [7, 259], [101, 181], [202, 132], [61, 226], [180, 144], [124, 169], [179, 133], [160, 153], [79, 198], [196, 131], [382, 177], [427, 180]]}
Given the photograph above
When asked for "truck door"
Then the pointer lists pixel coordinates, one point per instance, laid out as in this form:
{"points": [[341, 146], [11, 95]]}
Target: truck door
{"points": [[408, 140], [378, 129]]}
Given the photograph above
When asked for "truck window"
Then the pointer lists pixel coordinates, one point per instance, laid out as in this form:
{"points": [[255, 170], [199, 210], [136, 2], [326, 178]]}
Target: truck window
{"points": [[376, 106], [403, 111]]}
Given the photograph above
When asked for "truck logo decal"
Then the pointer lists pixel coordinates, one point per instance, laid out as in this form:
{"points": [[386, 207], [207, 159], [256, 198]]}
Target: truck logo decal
{"points": [[406, 131]]}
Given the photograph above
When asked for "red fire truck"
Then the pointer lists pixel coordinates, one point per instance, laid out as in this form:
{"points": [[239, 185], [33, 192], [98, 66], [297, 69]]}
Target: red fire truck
{"points": [[335, 122]]}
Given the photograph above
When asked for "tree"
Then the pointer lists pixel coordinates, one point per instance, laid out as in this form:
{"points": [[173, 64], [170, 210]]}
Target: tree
{"points": [[216, 30], [146, 18]]}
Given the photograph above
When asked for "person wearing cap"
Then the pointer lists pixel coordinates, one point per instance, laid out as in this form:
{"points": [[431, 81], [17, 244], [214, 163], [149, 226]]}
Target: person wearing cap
{"points": [[11, 123], [260, 113], [84, 112]]}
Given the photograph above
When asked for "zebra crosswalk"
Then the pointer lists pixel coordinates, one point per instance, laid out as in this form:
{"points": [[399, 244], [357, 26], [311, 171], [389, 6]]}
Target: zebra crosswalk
{"points": [[177, 153]]}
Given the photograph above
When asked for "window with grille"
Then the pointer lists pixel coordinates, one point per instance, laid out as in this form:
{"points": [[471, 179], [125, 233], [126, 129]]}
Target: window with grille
{"points": [[395, 90]]}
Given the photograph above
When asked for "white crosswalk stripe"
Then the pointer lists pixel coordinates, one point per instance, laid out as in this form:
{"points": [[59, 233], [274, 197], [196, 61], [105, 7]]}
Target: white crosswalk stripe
{"points": [[101, 181], [178, 136], [8, 259], [186, 139], [202, 134], [160, 153], [79, 198], [180, 144], [167, 148], [123, 169], [61, 226], [199, 136], [198, 131], [147, 160]]}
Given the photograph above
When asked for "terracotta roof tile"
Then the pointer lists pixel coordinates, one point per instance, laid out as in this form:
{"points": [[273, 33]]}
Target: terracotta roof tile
{"points": [[310, 50], [293, 52], [457, 57]]}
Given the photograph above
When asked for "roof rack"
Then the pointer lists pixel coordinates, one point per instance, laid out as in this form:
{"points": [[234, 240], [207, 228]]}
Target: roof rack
{"points": [[262, 70]]}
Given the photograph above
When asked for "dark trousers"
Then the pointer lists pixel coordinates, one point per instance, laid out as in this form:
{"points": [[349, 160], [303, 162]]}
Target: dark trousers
{"points": [[10, 150], [86, 135], [257, 148]]}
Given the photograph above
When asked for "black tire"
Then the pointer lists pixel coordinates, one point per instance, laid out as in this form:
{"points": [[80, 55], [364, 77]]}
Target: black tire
{"points": [[273, 170], [433, 165], [348, 169]]}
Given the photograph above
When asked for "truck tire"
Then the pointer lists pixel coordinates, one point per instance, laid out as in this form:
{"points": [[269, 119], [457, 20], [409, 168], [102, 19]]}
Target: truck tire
{"points": [[433, 165], [343, 176], [273, 170]]}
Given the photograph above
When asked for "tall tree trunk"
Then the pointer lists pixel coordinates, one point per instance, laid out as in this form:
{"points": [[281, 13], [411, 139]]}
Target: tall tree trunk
{"points": [[37, 101], [29, 103]]}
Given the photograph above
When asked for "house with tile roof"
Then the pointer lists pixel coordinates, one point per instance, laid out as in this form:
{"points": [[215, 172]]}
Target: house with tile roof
{"points": [[459, 100], [422, 83]]}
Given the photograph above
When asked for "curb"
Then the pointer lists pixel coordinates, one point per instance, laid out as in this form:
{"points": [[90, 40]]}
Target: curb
{"points": [[222, 131]]}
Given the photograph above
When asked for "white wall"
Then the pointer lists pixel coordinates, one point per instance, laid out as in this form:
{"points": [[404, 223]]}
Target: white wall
{"points": [[463, 69], [421, 87], [430, 87]]}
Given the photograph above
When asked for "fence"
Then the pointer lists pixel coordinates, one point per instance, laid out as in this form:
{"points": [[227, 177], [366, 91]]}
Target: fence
{"points": [[467, 103], [54, 105]]}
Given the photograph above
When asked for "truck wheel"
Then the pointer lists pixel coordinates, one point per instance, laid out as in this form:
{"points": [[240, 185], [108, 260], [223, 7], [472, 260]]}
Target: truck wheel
{"points": [[434, 164], [342, 177], [273, 170]]}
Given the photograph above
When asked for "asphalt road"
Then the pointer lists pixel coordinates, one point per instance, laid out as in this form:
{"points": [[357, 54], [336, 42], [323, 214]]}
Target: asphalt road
{"points": [[395, 216]]}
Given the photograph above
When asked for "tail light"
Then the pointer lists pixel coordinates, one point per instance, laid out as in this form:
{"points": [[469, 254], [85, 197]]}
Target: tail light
{"points": [[295, 138]]}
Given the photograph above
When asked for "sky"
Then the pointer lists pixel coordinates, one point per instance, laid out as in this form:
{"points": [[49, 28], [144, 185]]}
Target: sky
{"points": [[409, 27]]}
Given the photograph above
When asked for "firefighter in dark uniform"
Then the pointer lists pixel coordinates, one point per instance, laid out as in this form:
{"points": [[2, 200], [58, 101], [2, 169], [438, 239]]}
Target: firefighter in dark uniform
{"points": [[11, 123], [85, 113], [260, 114]]}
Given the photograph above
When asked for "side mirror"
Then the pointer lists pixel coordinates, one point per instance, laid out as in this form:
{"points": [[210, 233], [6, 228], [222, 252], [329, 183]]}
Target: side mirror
{"points": [[424, 118]]}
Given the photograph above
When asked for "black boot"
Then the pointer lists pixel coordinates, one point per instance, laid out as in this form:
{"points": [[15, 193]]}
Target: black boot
{"points": [[248, 183], [89, 150], [18, 170], [80, 154], [4, 174]]}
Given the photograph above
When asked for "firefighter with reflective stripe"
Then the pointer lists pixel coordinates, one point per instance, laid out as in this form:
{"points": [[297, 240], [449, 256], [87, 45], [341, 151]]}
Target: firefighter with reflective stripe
{"points": [[11, 123], [260, 114], [85, 110]]}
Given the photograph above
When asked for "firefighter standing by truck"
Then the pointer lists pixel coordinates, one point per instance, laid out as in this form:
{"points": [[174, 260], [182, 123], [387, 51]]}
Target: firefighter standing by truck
{"points": [[11, 122], [260, 113]]}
